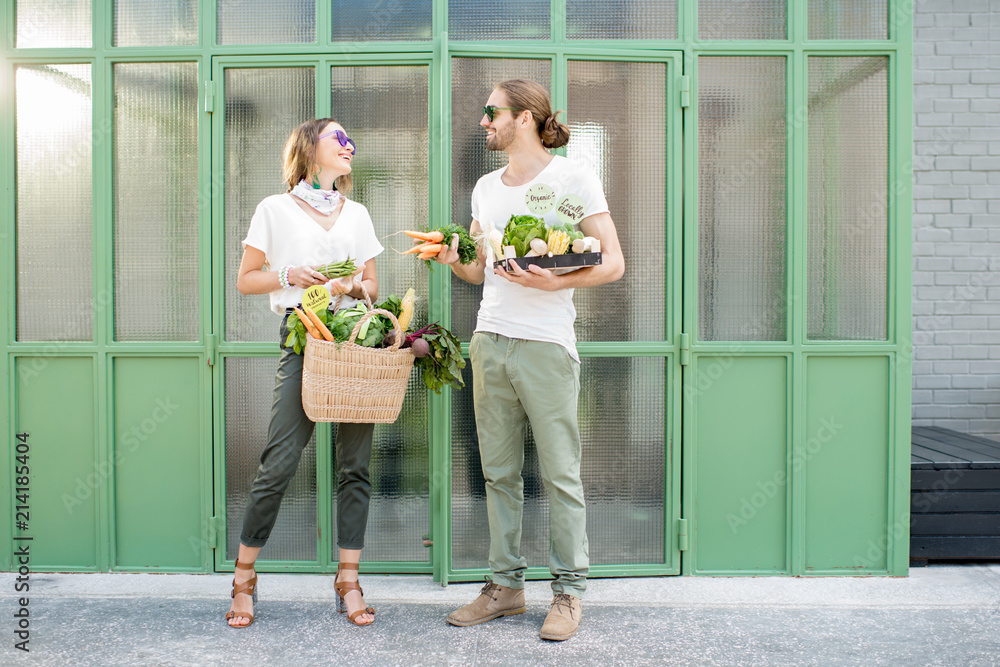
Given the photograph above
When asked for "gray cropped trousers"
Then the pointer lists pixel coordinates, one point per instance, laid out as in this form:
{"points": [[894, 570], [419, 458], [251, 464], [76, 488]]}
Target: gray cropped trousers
{"points": [[287, 436]]}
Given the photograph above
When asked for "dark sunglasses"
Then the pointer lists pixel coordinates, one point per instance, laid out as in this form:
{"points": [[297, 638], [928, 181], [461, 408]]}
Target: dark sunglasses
{"points": [[491, 111], [342, 138]]}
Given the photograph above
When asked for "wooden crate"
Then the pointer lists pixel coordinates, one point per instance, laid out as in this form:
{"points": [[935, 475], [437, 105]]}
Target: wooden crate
{"points": [[954, 496]]}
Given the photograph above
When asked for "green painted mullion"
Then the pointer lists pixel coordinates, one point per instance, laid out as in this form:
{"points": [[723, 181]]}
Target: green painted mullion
{"points": [[872, 50], [312, 60], [8, 214], [687, 251], [207, 26], [234, 349], [147, 349], [892, 183], [324, 87], [123, 56], [7, 22], [796, 122], [560, 88], [102, 179], [743, 47], [674, 242], [208, 374], [8, 389], [101, 16], [792, 559], [798, 22], [901, 222], [214, 77], [535, 51], [323, 13], [439, 406], [557, 21], [687, 22], [334, 48]]}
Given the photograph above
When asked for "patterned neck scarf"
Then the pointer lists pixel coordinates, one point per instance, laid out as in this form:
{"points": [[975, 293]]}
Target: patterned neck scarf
{"points": [[324, 201]]}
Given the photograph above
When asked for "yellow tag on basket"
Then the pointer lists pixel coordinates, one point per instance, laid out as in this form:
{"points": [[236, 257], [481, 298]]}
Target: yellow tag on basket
{"points": [[316, 297]]}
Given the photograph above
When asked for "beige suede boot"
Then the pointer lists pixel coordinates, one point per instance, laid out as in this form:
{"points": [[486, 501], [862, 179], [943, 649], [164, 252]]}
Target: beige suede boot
{"points": [[493, 601], [563, 619]]}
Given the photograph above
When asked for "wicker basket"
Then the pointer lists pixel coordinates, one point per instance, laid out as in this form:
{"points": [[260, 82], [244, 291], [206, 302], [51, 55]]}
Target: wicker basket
{"points": [[345, 382]]}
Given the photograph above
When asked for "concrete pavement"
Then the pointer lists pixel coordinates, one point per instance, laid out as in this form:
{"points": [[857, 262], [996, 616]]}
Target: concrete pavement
{"points": [[939, 615]]}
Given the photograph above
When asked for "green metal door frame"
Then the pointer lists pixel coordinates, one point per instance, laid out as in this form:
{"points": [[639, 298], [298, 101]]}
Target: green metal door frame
{"points": [[321, 64]]}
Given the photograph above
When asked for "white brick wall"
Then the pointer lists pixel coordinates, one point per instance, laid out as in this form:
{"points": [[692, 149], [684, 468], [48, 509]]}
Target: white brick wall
{"points": [[956, 215]]}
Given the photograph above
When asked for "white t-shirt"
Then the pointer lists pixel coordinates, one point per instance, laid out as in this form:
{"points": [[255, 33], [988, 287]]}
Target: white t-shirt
{"points": [[523, 312], [288, 236]]}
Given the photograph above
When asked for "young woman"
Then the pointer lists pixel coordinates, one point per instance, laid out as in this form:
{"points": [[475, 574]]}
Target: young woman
{"points": [[290, 235]]}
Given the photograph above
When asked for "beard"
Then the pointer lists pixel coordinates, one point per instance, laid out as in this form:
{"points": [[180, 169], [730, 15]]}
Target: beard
{"points": [[501, 140]]}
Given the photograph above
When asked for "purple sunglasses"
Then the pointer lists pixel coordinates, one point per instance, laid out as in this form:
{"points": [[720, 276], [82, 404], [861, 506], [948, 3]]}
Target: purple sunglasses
{"points": [[342, 138]]}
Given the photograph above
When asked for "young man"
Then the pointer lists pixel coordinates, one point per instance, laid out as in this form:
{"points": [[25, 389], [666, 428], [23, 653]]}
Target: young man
{"points": [[523, 352]]}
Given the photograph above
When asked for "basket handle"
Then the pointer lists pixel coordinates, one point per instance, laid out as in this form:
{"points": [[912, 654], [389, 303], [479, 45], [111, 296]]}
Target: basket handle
{"points": [[397, 340], [364, 290]]}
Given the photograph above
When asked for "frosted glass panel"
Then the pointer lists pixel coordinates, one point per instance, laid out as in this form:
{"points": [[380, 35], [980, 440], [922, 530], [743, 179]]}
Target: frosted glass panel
{"points": [[399, 514], [622, 470], [249, 395], [848, 198], [262, 107], [742, 237], [498, 19], [381, 21], [726, 19], [848, 19], [266, 21], [54, 158], [620, 135], [621, 19], [472, 81], [60, 24], [156, 23], [156, 234], [384, 109]]}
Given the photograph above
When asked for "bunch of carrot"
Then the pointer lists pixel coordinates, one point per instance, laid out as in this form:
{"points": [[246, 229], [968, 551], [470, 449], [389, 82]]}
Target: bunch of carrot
{"points": [[427, 244], [312, 323]]}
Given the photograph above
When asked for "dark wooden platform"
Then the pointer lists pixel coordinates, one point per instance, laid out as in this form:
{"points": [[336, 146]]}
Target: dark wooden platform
{"points": [[954, 496]]}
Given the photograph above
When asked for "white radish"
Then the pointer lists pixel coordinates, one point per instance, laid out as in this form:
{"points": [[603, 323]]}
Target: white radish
{"points": [[586, 244]]}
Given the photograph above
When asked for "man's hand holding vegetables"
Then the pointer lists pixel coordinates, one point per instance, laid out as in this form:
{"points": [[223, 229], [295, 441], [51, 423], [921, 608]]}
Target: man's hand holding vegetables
{"points": [[523, 352]]}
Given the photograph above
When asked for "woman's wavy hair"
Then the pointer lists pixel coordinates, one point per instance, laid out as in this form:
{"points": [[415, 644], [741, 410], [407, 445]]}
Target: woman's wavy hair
{"points": [[525, 95], [299, 156]]}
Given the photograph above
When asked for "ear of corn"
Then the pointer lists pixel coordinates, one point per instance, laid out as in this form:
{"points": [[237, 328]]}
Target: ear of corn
{"points": [[558, 242], [496, 241], [406, 310]]}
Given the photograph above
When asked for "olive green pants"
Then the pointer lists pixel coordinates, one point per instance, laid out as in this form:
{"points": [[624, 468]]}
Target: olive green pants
{"points": [[516, 380], [287, 436]]}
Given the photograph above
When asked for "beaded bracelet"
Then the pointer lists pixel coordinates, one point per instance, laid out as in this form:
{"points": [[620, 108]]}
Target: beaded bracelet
{"points": [[283, 277]]}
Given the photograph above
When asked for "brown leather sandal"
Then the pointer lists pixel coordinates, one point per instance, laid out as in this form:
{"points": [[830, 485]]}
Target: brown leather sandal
{"points": [[344, 588], [249, 587]]}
